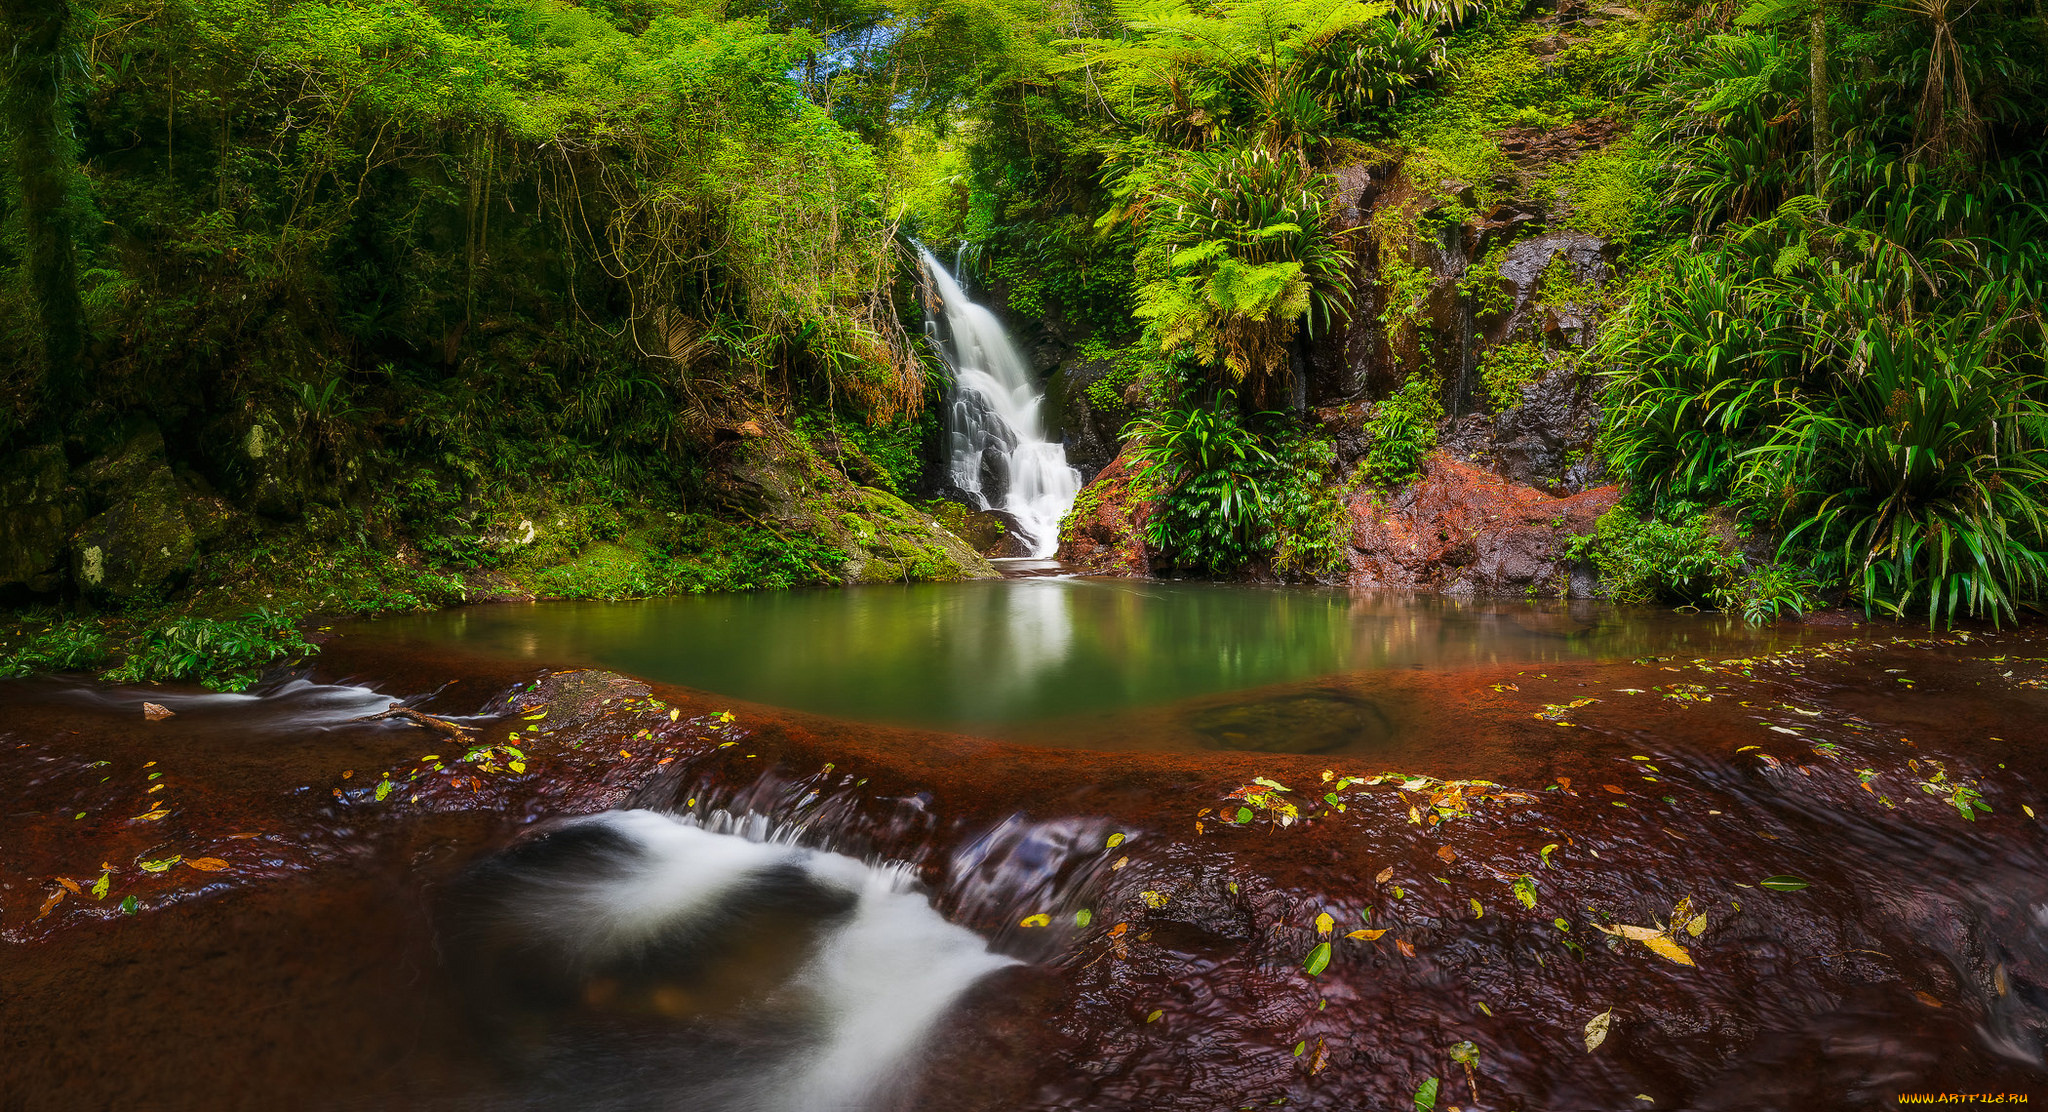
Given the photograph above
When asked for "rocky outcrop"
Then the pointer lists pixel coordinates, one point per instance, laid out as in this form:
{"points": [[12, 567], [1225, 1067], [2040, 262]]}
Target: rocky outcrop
{"points": [[143, 543], [765, 472], [1463, 530], [1091, 432], [1547, 441], [39, 509], [1105, 533]]}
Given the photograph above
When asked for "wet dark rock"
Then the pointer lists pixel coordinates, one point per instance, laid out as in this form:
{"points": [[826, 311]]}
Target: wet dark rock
{"points": [[1546, 442], [1091, 433], [39, 509]]}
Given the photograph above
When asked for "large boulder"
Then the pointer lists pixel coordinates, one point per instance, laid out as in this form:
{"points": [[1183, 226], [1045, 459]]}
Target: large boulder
{"points": [[1464, 530], [1104, 534], [39, 509], [763, 471], [142, 544]]}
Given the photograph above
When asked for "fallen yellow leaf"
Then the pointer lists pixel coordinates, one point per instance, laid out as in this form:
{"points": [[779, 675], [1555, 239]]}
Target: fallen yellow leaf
{"points": [[1664, 947], [1324, 925], [1366, 935], [1386, 875]]}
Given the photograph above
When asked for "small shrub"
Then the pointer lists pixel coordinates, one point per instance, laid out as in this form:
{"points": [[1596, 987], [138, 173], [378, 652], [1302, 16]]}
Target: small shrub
{"points": [[1769, 593], [1209, 467], [1645, 560], [1403, 432], [1509, 369], [64, 646]]}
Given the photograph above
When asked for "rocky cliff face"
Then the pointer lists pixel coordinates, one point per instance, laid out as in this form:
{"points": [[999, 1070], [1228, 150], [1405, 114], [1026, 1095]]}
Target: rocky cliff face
{"points": [[1498, 305], [1464, 530]]}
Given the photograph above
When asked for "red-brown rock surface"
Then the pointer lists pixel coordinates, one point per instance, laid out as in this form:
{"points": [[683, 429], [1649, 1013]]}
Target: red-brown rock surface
{"points": [[1105, 534], [1461, 529]]}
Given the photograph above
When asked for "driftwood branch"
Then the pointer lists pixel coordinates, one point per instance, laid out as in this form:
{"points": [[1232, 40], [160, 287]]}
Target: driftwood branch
{"points": [[439, 725]]}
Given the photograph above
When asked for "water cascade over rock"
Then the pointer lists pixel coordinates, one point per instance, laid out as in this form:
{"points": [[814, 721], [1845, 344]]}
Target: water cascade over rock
{"points": [[996, 448], [754, 974]]}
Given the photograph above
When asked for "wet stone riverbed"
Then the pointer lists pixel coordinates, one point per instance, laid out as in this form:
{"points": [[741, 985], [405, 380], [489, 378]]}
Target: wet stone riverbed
{"points": [[1746, 879]]}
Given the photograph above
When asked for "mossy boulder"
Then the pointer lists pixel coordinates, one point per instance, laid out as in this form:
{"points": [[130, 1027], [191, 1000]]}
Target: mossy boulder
{"points": [[769, 474], [39, 509], [143, 543]]}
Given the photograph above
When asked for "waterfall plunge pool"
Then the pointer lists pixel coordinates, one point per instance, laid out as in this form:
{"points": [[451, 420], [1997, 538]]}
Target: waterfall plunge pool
{"points": [[1082, 663]]}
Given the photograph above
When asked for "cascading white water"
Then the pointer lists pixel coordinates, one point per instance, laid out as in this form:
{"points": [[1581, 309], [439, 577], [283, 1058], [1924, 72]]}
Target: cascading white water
{"points": [[795, 979], [995, 422]]}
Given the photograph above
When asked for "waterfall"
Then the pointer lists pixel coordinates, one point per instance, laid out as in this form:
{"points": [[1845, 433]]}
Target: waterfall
{"points": [[996, 449]]}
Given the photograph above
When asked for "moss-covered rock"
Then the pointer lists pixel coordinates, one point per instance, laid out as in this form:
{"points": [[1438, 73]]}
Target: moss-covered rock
{"points": [[143, 544], [769, 474], [39, 508]]}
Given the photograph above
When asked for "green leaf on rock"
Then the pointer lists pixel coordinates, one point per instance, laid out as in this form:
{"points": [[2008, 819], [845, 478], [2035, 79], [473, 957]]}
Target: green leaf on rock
{"points": [[1318, 959], [1425, 1096], [1782, 883]]}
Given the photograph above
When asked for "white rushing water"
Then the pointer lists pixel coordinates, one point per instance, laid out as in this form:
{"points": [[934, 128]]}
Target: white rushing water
{"points": [[995, 421], [837, 970]]}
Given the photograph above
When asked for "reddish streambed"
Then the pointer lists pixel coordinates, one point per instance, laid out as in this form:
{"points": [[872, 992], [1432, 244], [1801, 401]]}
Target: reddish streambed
{"points": [[289, 956]]}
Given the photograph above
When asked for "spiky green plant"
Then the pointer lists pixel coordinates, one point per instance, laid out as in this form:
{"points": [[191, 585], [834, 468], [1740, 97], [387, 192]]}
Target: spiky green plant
{"points": [[1924, 481]]}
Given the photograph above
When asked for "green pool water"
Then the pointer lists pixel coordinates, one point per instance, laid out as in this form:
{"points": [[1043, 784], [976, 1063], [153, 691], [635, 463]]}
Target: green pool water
{"points": [[1017, 655]]}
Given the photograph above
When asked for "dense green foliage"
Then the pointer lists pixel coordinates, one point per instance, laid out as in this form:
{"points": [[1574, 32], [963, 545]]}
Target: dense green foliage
{"points": [[412, 284], [224, 654], [1851, 348]]}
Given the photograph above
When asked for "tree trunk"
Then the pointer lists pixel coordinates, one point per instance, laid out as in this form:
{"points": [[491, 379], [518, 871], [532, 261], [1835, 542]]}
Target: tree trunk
{"points": [[1818, 89], [39, 133]]}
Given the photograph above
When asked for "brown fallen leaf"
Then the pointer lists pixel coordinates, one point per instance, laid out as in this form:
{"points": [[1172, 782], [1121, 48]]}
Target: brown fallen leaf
{"points": [[156, 712], [1386, 875], [1564, 782], [51, 901], [70, 886], [1447, 853], [1614, 789], [206, 864], [1407, 950], [1926, 999]]}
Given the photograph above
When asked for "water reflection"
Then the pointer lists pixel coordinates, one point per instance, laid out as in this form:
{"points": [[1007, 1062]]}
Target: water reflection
{"points": [[983, 656]]}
